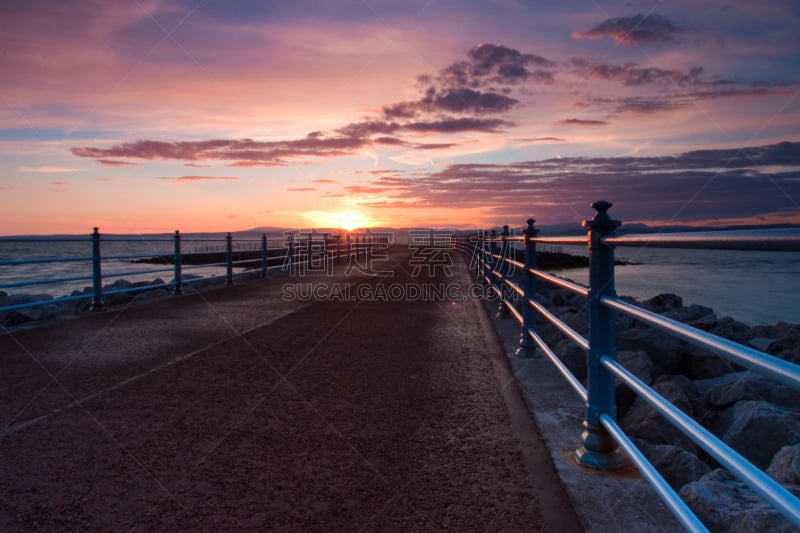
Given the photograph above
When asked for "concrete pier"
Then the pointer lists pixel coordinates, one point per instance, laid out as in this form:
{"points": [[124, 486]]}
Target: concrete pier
{"points": [[244, 409]]}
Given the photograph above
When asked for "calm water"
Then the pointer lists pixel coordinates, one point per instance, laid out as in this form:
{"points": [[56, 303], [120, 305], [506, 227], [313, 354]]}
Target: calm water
{"points": [[112, 268], [755, 287]]}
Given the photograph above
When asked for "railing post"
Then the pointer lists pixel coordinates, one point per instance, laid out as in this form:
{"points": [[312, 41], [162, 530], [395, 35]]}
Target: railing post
{"points": [[503, 270], [229, 257], [98, 301], [599, 450], [264, 255], [528, 348], [490, 261], [178, 290]]}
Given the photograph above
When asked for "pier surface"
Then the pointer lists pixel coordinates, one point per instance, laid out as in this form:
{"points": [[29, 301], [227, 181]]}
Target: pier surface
{"points": [[236, 409]]}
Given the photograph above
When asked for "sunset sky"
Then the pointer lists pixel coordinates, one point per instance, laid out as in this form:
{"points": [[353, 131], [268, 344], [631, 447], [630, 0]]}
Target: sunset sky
{"points": [[212, 115]]}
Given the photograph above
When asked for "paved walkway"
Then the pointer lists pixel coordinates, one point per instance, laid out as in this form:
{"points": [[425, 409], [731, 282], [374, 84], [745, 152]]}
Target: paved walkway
{"points": [[235, 409]]}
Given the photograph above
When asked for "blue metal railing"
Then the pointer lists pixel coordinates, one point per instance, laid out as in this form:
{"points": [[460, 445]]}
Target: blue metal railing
{"points": [[602, 438], [292, 251]]}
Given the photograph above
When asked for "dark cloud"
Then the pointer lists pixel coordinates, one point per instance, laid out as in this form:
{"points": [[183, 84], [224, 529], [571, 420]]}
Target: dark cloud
{"points": [[697, 185], [114, 162], [246, 152], [581, 122], [479, 84], [638, 29], [669, 89], [454, 125], [462, 100]]}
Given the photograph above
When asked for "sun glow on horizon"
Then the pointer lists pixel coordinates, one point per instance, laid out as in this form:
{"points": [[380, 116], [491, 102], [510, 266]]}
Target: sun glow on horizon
{"points": [[346, 220]]}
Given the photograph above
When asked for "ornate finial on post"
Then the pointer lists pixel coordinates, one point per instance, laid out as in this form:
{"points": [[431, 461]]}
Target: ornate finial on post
{"points": [[530, 231], [602, 223]]}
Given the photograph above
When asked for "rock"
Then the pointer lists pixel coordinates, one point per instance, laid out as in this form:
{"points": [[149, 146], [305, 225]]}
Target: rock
{"points": [[758, 429], [689, 314], [637, 363], [731, 329], [760, 343], [677, 465], [702, 364], [785, 465], [792, 355], [573, 356], [118, 285], [724, 503], [152, 294], [788, 342], [665, 351], [705, 323], [722, 392], [646, 423], [641, 366], [663, 302]]}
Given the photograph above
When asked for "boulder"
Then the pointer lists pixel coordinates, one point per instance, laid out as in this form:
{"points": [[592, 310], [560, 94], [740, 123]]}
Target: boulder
{"points": [[690, 314], [641, 366], [644, 422], [663, 302], [722, 392], [785, 465], [677, 465], [573, 356], [665, 351], [758, 429], [724, 503], [702, 364]]}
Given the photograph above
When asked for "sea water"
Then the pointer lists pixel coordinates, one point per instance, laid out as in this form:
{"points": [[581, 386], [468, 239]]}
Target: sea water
{"points": [[755, 287]]}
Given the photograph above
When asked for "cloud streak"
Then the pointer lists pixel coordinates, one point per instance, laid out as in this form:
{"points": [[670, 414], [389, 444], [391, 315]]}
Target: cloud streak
{"points": [[634, 30], [696, 185]]}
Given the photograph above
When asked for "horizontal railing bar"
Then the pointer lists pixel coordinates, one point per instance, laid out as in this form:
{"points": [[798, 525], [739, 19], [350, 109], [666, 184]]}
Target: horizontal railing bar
{"points": [[559, 364], [560, 240], [709, 242], [510, 306], [576, 337], [110, 275], [763, 363], [515, 263], [678, 507], [40, 260], [772, 491], [140, 256], [564, 284], [514, 286], [33, 282]]}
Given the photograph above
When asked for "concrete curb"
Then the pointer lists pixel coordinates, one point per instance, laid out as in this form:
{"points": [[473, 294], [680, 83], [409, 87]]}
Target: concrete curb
{"points": [[622, 501]]}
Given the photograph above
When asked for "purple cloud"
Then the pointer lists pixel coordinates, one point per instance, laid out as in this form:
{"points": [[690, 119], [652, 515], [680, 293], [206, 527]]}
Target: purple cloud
{"points": [[697, 185], [637, 29]]}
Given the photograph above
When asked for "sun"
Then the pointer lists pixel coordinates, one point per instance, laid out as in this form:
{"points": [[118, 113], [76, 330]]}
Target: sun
{"points": [[347, 220], [350, 220]]}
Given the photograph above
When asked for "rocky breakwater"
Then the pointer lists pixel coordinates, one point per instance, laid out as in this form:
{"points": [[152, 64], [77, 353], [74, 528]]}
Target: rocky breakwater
{"points": [[756, 416], [120, 292]]}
